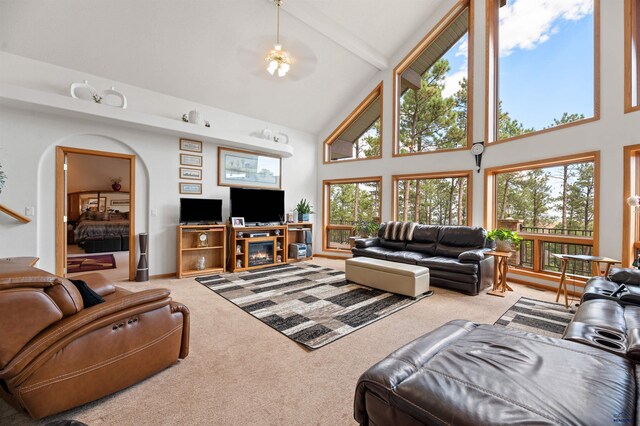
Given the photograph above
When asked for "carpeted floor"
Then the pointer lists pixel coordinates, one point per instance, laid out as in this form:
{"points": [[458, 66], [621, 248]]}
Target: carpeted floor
{"points": [[310, 304], [242, 372], [95, 262], [537, 316]]}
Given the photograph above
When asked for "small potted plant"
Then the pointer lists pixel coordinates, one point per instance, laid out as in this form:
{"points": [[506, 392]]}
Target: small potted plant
{"points": [[115, 183], [504, 238], [304, 210], [365, 228]]}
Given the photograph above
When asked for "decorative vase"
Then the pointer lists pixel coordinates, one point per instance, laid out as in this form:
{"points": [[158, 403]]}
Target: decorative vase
{"points": [[116, 186], [82, 91], [200, 263], [114, 98], [142, 273], [195, 117], [266, 133], [504, 245]]}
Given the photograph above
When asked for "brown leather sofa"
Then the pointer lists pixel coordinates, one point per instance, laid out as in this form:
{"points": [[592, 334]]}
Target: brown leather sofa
{"points": [[55, 354]]}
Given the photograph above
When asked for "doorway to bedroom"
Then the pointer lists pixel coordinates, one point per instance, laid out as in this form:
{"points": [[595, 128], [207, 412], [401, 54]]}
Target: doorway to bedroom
{"points": [[95, 211]]}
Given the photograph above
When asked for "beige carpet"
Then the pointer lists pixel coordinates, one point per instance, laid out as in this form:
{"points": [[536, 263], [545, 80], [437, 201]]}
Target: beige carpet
{"points": [[242, 372]]}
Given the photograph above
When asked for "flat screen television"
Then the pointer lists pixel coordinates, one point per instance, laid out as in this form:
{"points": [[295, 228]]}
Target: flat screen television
{"points": [[257, 205], [200, 210]]}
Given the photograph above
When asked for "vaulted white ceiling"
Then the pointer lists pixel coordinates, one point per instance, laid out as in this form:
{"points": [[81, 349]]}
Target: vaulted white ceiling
{"points": [[212, 51]]}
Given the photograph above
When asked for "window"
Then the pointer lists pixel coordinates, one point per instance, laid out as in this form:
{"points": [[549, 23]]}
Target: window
{"points": [[359, 136], [631, 216], [553, 205], [632, 55], [432, 89], [542, 65], [434, 198], [346, 202]]}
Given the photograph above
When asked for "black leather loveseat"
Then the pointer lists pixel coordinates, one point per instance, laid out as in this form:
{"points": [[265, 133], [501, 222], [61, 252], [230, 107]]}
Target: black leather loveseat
{"points": [[454, 254]]}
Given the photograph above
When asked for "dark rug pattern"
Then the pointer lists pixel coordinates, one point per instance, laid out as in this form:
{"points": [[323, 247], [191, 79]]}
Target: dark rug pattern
{"points": [[90, 263], [535, 316], [308, 303]]}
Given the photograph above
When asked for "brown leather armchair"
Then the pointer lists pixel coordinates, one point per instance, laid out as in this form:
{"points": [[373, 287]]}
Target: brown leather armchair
{"points": [[55, 354]]}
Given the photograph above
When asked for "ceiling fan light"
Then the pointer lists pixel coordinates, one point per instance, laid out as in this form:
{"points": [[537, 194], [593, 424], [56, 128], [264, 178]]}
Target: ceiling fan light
{"points": [[282, 72], [284, 67]]}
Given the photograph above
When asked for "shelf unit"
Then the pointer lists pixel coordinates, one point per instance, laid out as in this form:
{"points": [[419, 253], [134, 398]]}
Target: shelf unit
{"points": [[239, 246], [191, 249], [36, 100], [295, 234]]}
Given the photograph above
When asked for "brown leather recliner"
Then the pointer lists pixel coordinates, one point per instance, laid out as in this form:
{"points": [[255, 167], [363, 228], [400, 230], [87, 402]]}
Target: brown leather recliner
{"points": [[55, 354]]}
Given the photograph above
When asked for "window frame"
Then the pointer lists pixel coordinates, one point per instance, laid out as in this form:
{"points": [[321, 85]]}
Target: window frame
{"points": [[630, 218], [395, 179], [376, 93], [490, 211], [631, 54], [326, 206], [492, 72], [432, 35]]}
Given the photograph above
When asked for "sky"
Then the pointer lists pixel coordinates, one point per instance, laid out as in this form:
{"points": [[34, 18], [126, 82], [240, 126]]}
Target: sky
{"points": [[546, 60]]}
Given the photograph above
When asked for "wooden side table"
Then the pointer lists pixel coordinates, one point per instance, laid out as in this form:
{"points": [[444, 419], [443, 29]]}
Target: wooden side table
{"points": [[565, 258], [500, 270]]}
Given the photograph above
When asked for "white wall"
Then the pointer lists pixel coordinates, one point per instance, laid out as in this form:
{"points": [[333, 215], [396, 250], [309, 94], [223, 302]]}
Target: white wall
{"points": [[27, 155], [609, 135]]}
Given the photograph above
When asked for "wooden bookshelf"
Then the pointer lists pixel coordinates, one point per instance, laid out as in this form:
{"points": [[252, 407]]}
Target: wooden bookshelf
{"points": [[295, 234], [191, 249], [239, 243]]}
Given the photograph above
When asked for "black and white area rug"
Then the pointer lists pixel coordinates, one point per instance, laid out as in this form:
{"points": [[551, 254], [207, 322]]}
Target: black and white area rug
{"points": [[308, 303], [535, 316]]}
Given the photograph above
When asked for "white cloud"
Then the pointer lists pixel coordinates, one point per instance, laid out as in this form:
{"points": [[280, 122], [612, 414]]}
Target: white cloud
{"points": [[452, 82], [525, 24], [463, 48]]}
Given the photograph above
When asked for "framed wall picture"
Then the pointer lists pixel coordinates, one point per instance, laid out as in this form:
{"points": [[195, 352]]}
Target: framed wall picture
{"points": [[190, 145], [190, 160], [237, 222], [190, 188], [248, 169], [189, 173], [119, 202]]}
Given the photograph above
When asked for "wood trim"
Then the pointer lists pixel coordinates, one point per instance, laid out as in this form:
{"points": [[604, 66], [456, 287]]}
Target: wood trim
{"points": [[377, 92], [543, 131], [492, 88], [162, 276], [546, 162], [631, 39], [490, 200], [570, 292], [432, 35], [14, 214], [491, 71], [436, 175], [326, 206], [220, 148], [631, 154], [331, 256], [61, 227], [549, 276]]}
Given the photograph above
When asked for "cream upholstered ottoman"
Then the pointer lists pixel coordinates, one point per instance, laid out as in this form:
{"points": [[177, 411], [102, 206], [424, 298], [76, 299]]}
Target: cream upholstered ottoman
{"points": [[394, 277]]}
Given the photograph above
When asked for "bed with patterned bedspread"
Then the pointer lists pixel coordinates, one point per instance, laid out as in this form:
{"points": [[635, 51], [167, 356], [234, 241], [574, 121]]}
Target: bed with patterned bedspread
{"points": [[95, 226]]}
